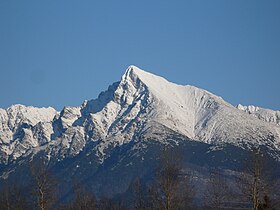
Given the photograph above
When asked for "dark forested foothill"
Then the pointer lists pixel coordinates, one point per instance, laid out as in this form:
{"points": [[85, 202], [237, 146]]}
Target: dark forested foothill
{"points": [[172, 185]]}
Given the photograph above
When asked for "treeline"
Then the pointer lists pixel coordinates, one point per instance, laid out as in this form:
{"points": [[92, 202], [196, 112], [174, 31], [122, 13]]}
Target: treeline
{"points": [[172, 188]]}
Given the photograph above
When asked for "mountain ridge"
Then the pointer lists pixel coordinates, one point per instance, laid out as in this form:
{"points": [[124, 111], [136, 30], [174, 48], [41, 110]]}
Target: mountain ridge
{"points": [[127, 110]]}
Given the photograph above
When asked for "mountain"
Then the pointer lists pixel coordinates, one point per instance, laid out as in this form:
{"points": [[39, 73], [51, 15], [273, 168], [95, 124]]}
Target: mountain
{"points": [[126, 126]]}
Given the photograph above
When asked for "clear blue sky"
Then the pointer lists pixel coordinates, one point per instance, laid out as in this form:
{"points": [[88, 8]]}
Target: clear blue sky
{"points": [[61, 52]]}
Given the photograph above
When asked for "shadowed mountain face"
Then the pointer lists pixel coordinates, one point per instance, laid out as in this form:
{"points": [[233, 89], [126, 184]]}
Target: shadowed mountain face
{"points": [[120, 134]]}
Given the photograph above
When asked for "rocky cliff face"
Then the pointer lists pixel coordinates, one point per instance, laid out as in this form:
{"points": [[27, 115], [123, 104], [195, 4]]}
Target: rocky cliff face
{"points": [[22, 129]]}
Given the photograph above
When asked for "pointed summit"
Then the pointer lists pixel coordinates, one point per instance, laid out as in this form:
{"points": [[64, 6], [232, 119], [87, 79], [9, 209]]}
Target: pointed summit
{"points": [[134, 69], [152, 81], [134, 72]]}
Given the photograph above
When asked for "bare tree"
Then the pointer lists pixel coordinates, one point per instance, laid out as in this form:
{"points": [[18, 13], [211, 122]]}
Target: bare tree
{"points": [[12, 197], [267, 204], [139, 199], [44, 186], [256, 181], [109, 204], [172, 189], [83, 199], [217, 193]]}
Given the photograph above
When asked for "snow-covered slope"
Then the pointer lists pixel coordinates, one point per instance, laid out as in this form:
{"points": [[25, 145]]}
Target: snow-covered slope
{"points": [[266, 115], [22, 128], [140, 107]]}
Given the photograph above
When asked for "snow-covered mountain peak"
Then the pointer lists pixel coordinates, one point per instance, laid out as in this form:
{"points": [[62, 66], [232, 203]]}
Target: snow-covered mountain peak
{"points": [[140, 104], [178, 107], [151, 81], [194, 112], [30, 114], [144, 76], [165, 89]]}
